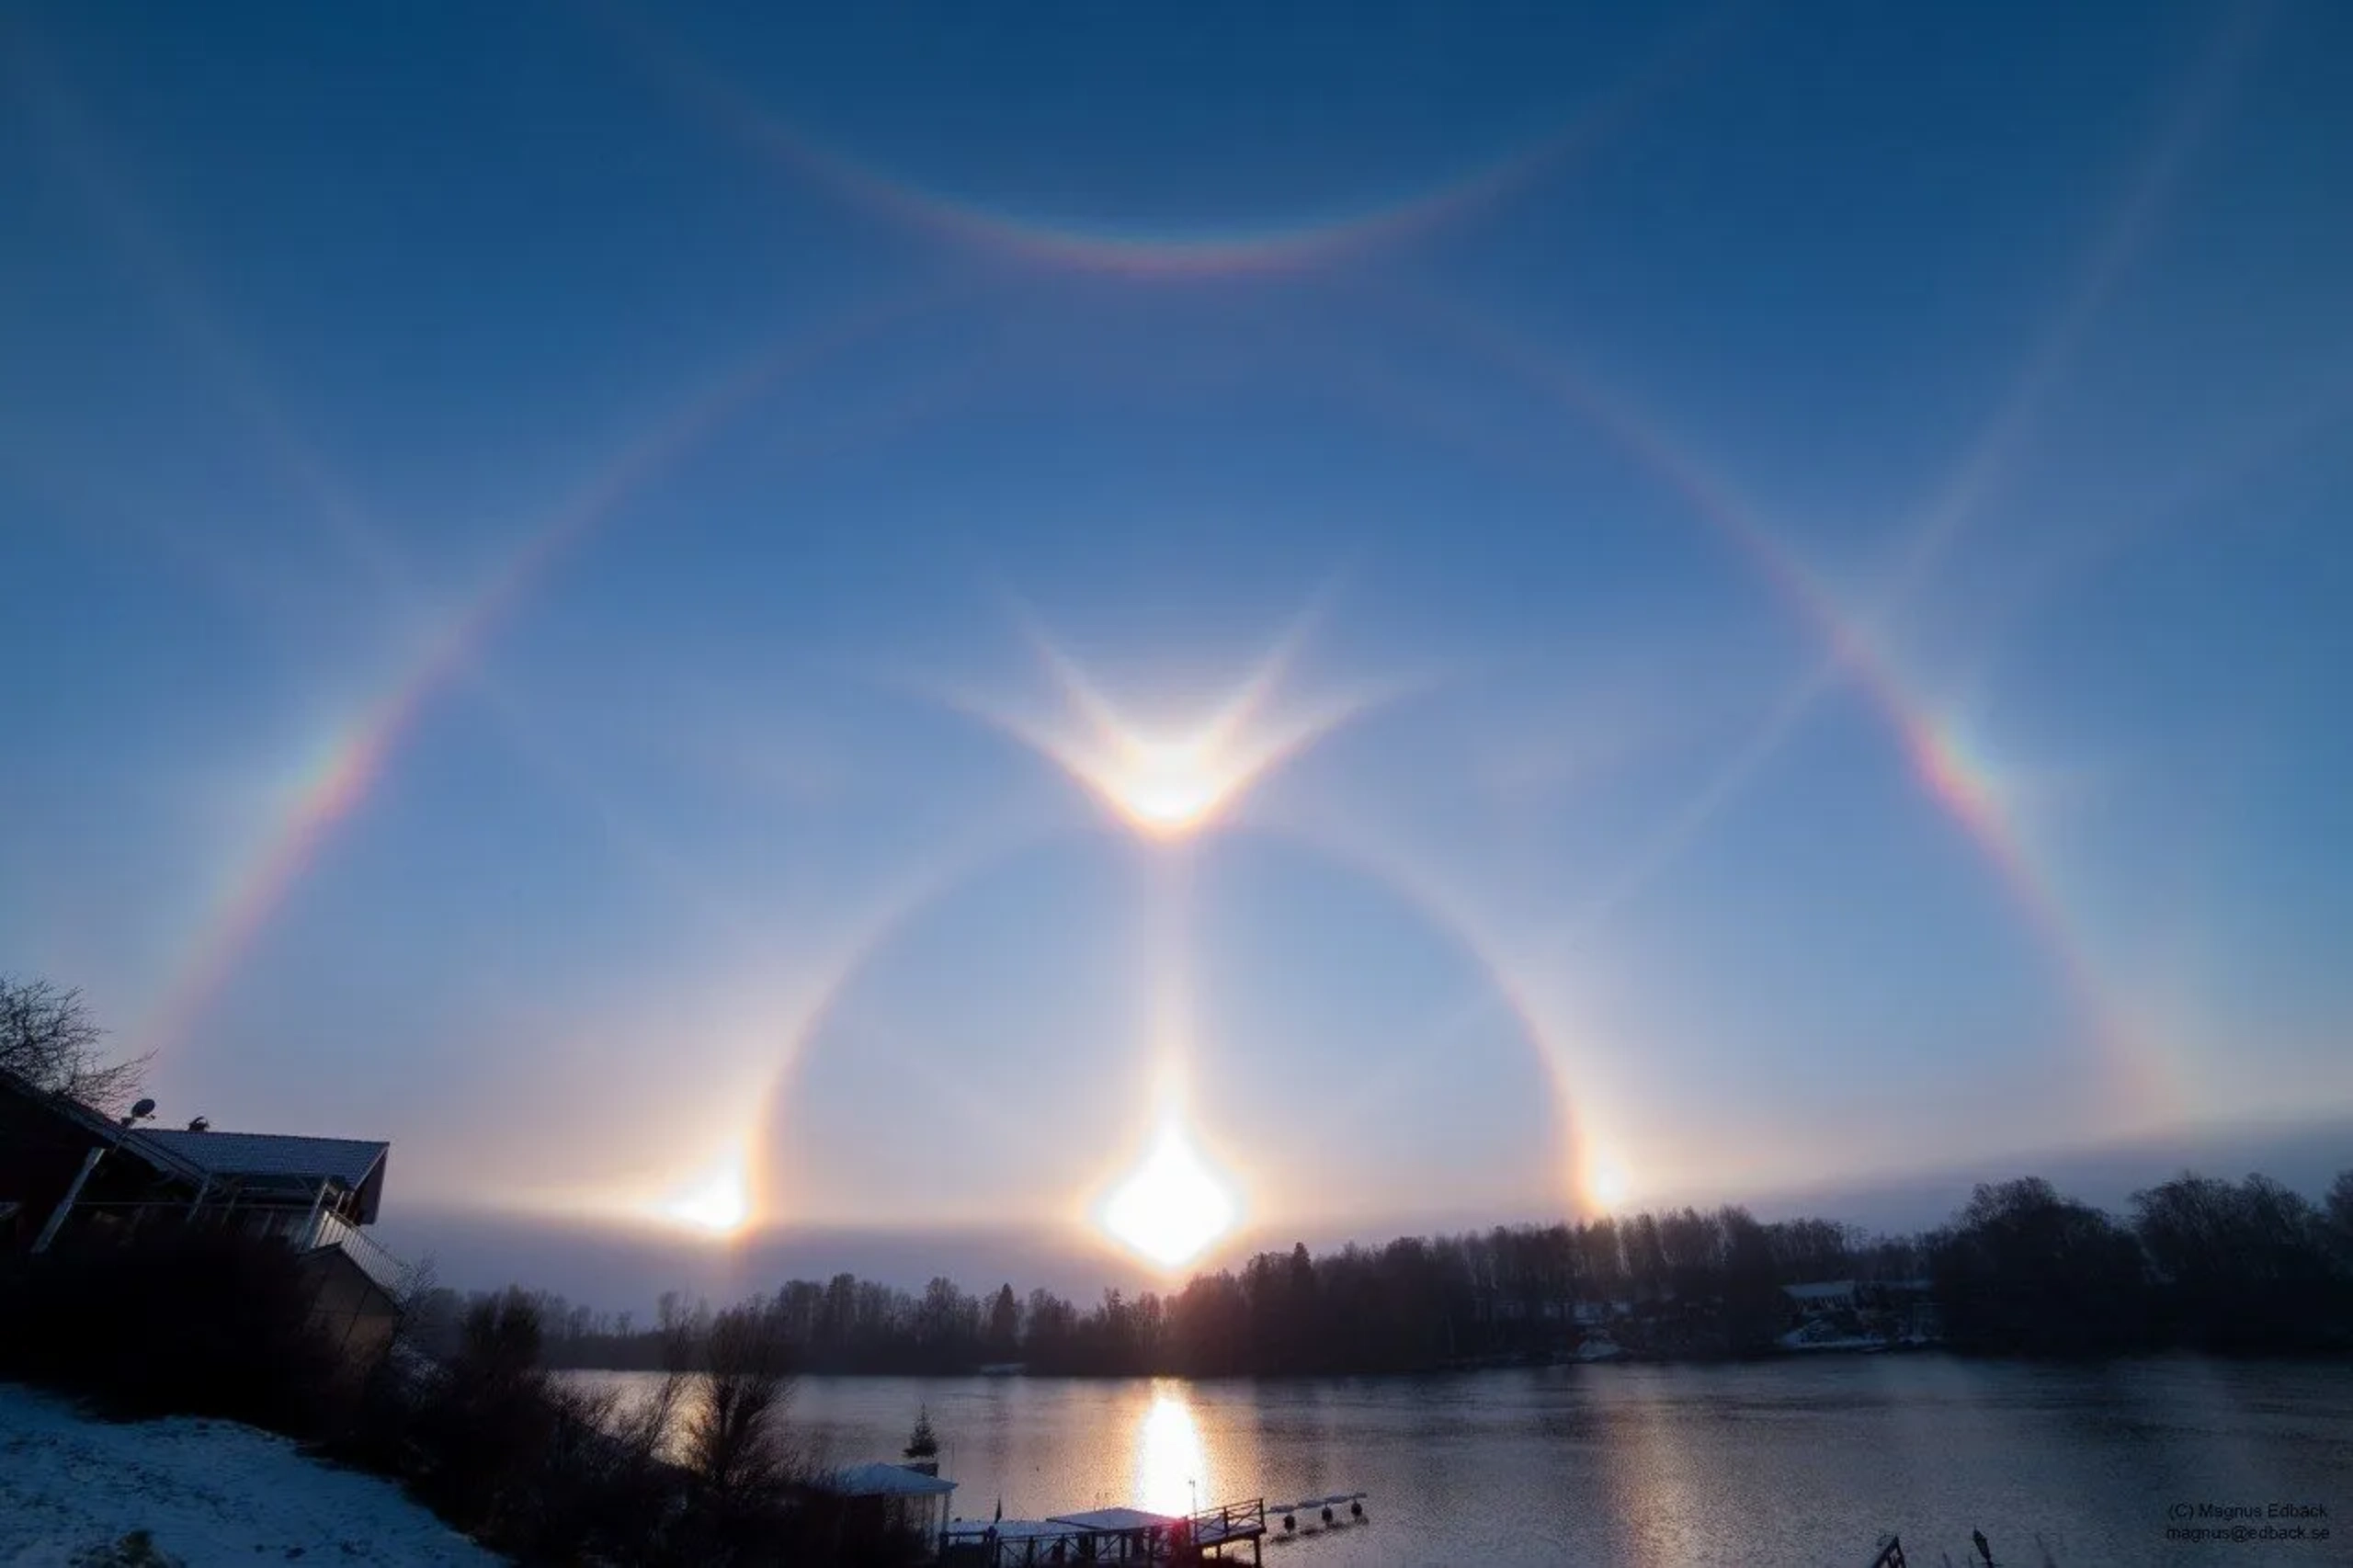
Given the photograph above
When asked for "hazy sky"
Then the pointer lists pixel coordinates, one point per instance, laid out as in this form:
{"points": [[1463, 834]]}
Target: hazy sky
{"points": [[1703, 601]]}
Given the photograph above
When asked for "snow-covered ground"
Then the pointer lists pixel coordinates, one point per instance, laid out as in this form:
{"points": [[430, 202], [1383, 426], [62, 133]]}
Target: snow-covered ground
{"points": [[75, 1491]]}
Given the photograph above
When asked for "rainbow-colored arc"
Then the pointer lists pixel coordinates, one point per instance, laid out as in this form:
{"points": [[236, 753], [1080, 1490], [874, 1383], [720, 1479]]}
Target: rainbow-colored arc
{"points": [[1514, 982], [1296, 246], [1189, 253], [1453, 917], [347, 770], [1967, 791], [1970, 793]]}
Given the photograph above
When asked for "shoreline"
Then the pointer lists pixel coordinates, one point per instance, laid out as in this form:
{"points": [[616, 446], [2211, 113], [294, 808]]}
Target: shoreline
{"points": [[1781, 1357]]}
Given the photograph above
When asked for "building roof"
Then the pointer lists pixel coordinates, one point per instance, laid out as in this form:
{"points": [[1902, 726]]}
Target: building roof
{"points": [[103, 1130], [260, 1158], [891, 1480], [1828, 1290], [357, 1165], [1117, 1520], [1006, 1530]]}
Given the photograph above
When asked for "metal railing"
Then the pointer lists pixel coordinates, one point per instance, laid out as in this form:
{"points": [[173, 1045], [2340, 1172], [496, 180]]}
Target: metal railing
{"points": [[1065, 1544], [301, 1230], [1232, 1521], [331, 1229]]}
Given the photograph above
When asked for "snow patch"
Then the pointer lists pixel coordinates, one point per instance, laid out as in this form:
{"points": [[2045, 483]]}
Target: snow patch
{"points": [[75, 1491]]}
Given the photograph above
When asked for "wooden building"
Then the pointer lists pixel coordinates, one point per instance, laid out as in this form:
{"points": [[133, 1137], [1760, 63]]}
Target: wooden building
{"points": [[70, 1178]]}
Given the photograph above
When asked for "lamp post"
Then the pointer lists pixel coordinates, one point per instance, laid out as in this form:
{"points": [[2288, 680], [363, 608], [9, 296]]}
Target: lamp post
{"points": [[138, 1113]]}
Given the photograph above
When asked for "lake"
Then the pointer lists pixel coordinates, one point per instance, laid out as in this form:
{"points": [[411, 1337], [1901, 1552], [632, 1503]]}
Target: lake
{"points": [[1795, 1462]]}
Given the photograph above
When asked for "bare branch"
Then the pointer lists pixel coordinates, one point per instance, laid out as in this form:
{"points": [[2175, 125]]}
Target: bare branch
{"points": [[735, 1438], [48, 1039]]}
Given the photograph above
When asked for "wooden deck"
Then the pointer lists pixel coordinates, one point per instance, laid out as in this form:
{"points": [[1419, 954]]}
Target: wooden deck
{"points": [[1214, 1529], [1109, 1536]]}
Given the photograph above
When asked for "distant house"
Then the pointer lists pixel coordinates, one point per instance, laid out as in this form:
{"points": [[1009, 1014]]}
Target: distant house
{"points": [[70, 1178], [899, 1496], [1894, 1311], [1825, 1299]]}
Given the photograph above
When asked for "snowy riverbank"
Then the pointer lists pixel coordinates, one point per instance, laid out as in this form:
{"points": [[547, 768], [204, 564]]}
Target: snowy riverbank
{"points": [[75, 1491]]}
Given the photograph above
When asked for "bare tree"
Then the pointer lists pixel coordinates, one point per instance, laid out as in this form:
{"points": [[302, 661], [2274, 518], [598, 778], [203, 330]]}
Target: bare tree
{"points": [[646, 1428], [430, 1316], [734, 1441], [48, 1039]]}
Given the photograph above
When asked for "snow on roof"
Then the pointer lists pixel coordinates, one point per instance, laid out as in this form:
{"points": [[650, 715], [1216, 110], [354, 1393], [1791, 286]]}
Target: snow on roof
{"points": [[356, 1163], [346, 1160], [1117, 1520], [1006, 1530], [880, 1480]]}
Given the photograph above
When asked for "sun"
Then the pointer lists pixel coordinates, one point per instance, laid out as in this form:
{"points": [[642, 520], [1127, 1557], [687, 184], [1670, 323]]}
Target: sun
{"points": [[719, 1204], [1172, 1206]]}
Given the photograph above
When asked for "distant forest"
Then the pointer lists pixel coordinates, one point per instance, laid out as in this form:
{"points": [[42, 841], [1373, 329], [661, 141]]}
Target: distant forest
{"points": [[2202, 1263]]}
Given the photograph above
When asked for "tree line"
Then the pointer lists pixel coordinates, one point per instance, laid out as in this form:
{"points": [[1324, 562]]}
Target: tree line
{"points": [[2198, 1263]]}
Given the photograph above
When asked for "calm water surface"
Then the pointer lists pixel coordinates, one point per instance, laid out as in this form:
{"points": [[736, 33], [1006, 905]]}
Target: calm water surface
{"points": [[1657, 1467]]}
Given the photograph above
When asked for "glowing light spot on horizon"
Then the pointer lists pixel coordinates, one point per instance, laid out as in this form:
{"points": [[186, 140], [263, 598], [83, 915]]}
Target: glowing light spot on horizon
{"points": [[1607, 1185], [721, 1204], [1173, 1206]]}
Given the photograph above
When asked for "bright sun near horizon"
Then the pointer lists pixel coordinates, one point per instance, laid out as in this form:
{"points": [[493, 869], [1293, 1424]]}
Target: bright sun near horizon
{"points": [[719, 1204], [1172, 1206]]}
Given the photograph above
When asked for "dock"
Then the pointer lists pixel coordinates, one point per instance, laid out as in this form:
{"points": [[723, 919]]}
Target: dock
{"points": [[1108, 1535]]}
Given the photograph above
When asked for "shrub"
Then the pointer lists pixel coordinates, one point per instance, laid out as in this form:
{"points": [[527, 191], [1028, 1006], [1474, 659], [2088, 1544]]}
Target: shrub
{"points": [[482, 1419], [182, 1324]]}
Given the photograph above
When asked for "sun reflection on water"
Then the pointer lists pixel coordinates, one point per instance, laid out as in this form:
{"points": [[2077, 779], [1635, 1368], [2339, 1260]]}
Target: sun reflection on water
{"points": [[1172, 1467]]}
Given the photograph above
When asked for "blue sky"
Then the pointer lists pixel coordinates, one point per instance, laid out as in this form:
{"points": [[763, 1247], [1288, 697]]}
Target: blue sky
{"points": [[1818, 534]]}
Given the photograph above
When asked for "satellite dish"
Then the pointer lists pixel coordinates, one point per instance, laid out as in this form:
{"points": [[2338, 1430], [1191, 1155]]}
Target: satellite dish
{"points": [[143, 1108]]}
